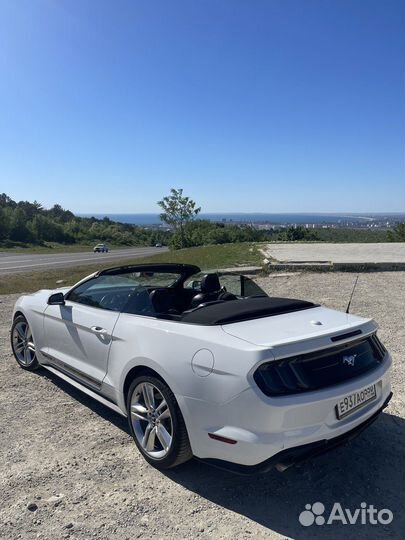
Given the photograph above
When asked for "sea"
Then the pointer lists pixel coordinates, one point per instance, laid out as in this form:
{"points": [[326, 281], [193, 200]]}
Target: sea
{"points": [[277, 219]]}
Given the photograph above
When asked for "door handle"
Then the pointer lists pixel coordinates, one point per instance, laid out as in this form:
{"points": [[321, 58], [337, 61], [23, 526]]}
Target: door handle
{"points": [[99, 330]]}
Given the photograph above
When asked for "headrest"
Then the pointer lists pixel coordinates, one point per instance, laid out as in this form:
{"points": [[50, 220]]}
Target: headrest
{"points": [[210, 283]]}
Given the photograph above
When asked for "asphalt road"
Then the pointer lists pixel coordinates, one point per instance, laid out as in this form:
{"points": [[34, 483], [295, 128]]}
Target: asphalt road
{"points": [[12, 263]]}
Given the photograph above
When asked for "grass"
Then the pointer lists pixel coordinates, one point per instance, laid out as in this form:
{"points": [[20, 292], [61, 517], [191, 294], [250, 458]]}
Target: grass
{"points": [[206, 257], [214, 256]]}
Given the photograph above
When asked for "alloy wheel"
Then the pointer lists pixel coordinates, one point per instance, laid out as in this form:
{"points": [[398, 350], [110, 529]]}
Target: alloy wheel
{"points": [[23, 343], [151, 420]]}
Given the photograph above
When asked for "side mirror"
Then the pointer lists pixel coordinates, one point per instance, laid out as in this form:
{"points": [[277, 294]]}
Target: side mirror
{"points": [[56, 299]]}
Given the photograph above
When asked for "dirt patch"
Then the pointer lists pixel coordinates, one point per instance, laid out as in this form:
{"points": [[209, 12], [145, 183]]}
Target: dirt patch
{"points": [[70, 468]]}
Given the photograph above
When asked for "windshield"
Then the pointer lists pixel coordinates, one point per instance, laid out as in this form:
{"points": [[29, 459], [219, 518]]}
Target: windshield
{"points": [[154, 279], [117, 292], [157, 292]]}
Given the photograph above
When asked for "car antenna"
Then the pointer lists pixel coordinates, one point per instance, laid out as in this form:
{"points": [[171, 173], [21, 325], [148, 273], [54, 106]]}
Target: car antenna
{"points": [[351, 296]]}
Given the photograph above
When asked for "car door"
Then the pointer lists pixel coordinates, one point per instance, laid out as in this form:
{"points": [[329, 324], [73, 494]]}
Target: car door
{"points": [[78, 334]]}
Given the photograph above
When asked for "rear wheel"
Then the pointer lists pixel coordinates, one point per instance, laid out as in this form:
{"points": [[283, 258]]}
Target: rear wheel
{"points": [[22, 344], [156, 423]]}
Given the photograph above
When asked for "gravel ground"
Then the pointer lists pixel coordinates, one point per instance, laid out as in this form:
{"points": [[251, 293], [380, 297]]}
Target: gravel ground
{"points": [[70, 469]]}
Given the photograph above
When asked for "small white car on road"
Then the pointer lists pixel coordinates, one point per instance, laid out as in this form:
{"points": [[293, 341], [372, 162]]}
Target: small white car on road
{"points": [[100, 248], [208, 365]]}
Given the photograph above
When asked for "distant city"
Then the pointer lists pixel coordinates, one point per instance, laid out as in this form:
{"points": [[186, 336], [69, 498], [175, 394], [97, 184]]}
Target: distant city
{"points": [[275, 221]]}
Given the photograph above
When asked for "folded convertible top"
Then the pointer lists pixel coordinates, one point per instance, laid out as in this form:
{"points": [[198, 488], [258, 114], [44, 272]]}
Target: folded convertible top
{"points": [[243, 310]]}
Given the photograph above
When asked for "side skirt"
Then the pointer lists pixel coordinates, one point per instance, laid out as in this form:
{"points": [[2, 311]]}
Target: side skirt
{"points": [[84, 389]]}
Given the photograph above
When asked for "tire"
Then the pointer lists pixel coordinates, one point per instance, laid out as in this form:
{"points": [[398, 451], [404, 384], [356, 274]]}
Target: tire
{"points": [[22, 344], [167, 444]]}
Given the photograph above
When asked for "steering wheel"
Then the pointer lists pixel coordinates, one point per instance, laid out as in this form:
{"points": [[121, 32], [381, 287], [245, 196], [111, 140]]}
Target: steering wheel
{"points": [[114, 301]]}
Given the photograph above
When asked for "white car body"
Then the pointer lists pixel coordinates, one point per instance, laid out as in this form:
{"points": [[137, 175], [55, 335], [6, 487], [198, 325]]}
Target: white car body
{"points": [[100, 248], [210, 369]]}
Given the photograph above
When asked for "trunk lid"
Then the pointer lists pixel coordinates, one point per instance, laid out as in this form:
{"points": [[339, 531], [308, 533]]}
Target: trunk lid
{"points": [[315, 326]]}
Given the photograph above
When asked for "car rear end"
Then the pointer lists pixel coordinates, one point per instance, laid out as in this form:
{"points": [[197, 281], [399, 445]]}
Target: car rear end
{"points": [[307, 396], [325, 397], [100, 248]]}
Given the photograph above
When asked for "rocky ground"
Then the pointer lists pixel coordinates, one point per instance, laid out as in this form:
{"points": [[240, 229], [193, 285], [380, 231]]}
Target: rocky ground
{"points": [[69, 468]]}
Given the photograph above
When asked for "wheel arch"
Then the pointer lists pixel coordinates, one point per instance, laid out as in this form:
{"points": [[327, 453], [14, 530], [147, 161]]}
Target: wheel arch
{"points": [[145, 366], [17, 313], [136, 371], [33, 314]]}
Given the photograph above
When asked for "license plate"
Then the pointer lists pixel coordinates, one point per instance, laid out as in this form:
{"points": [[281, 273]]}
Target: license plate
{"points": [[354, 401]]}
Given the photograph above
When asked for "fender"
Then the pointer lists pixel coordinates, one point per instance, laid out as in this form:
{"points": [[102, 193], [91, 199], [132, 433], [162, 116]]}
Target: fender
{"points": [[157, 368]]}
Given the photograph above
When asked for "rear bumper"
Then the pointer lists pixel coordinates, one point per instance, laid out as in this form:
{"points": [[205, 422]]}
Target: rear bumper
{"points": [[287, 458]]}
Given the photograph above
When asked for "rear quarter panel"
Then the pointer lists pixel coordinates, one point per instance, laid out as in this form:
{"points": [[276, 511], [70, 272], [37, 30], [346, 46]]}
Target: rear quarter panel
{"points": [[168, 347]]}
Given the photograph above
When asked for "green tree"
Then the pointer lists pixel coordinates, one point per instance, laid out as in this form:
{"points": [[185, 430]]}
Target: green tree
{"points": [[60, 214], [178, 211], [44, 229], [30, 209], [18, 226], [294, 234], [399, 233], [4, 225], [6, 201]]}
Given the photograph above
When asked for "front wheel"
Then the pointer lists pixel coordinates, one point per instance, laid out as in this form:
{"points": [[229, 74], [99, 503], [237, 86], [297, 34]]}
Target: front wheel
{"points": [[156, 423], [22, 344]]}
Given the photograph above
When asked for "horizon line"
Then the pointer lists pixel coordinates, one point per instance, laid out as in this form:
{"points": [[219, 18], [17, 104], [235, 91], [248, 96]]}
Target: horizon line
{"points": [[341, 214]]}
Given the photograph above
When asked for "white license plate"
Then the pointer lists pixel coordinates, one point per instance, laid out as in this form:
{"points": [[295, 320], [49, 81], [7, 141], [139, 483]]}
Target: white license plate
{"points": [[354, 401]]}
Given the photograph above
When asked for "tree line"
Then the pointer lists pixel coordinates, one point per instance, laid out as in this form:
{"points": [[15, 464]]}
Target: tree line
{"points": [[27, 222], [24, 222], [180, 212]]}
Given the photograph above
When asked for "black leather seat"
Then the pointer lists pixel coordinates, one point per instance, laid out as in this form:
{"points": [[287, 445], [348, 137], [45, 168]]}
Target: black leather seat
{"points": [[210, 290], [139, 303], [164, 300]]}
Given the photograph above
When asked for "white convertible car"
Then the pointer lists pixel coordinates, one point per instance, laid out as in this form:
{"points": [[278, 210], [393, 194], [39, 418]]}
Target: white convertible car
{"points": [[207, 365]]}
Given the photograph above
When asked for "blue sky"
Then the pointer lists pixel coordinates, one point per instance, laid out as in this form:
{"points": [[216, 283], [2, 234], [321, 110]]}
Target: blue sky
{"points": [[261, 105]]}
